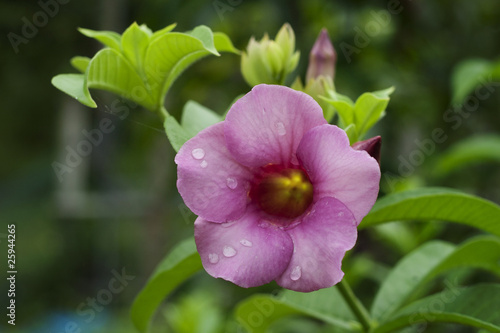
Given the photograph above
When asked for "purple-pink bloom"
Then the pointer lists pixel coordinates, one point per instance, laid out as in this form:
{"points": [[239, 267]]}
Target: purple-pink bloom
{"points": [[278, 191]]}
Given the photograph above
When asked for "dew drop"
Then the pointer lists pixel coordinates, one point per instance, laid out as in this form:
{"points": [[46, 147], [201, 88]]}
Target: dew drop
{"points": [[229, 251], [340, 214], [213, 258], [203, 164], [296, 273], [246, 242], [198, 153], [231, 183], [280, 127]]}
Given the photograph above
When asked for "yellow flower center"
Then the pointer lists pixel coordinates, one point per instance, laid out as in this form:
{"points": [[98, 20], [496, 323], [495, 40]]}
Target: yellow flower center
{"points": [[282, 192]]}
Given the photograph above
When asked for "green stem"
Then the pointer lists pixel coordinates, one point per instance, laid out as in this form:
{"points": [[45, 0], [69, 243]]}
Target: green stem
{"points": [[163, 113], [355, 304]]}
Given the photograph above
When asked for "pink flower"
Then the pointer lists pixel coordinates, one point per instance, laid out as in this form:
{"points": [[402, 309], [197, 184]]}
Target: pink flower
{"points": [[278, 191]]}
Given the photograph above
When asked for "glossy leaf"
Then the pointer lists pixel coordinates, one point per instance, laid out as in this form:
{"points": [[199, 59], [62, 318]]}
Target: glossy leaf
{"points": [[427, 262], [472, 150], [134, 43], [167, 57], [196, 117], [369, 109], [109, 38], [427, 204], [475, 306], [110, 70], [141, 65], [74, 85], [258, 312], [180, 264]]}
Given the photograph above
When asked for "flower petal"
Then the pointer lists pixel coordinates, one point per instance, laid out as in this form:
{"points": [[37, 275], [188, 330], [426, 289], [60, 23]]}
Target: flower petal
{"points": [[266, 125], [337, 170], [243, 252], [212, 184], [320, 243]]}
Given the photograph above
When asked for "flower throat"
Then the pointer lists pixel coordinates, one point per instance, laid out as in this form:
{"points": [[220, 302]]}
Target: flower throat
{"points": [[283, 192]]}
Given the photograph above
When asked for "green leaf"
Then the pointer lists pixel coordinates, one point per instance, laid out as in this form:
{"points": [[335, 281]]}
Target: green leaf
{"points": [[75, 86], [178, 266], [352, 133], [427, 262], [80, 63], [384, 93], [206, 36], [135, 42], [472, 150], [196, 312], [108, 38], [196, 117], [397, 235], [258, 312], [467, 75], [163, 31], [369, 109], [176, 134], [223, 43], [343, 105], [109, 70], [406, 276], [436, 204], [475, 306], [167, 57]]}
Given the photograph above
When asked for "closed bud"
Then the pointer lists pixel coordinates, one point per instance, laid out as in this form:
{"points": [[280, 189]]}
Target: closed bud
{"points": [[372, 146], [322, 58], [270, 61]]}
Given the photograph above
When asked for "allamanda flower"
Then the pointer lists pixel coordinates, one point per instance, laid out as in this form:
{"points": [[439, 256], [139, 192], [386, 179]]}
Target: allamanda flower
{"points": [[279, 192]]}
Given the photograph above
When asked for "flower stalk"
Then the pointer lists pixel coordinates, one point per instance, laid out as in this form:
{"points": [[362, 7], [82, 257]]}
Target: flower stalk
{"points": [[355, 305]]}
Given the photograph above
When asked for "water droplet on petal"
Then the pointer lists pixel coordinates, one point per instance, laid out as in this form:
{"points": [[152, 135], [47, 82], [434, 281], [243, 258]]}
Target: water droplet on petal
{"points": [[246, 242], [340, 214], [296, 273], [198, 153], [229, 251], [280, 127], [203, 164], [213, 258], [231, 183]]}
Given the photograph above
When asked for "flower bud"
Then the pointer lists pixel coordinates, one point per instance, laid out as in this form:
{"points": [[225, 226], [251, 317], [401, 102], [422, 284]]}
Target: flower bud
{"points": [[371, 146], [322, 58], [270, 61]]}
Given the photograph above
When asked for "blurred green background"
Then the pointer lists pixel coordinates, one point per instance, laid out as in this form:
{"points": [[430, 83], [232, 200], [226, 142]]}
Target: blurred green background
{"points": [[119, 208]]}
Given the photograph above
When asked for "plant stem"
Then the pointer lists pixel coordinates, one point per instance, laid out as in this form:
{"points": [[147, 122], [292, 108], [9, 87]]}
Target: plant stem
{"points": [[355, 304], [163, 113]]}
